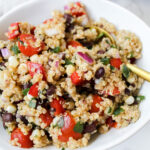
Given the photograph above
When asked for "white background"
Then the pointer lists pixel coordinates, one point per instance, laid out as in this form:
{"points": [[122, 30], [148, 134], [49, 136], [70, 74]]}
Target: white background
{"points": [[141, 140]]}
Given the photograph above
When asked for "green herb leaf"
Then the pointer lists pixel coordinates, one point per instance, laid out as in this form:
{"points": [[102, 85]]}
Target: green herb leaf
{"points": [[68, 62], [113, 46], [32, 103], [100, 35], [118, 111], [63, 148], [107, 41], [109, 110], [25, 91], [112, 68], [20, 41], [56, 50], [105, 61], [15, 49], [140, 98], [78, 127], [131, 55], [125, 71]]}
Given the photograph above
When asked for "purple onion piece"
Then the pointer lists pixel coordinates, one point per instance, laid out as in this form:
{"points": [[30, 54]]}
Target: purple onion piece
{"points": [[5, 52], [66, 7], [86, 57], [56, 64]]}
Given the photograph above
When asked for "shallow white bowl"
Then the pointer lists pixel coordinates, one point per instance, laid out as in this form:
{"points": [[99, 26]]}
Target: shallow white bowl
{"points": [[37, 11]]}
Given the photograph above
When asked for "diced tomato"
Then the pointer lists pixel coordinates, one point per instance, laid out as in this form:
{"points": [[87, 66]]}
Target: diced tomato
{"points": [[67, 130], [115, 62], [13, 31], [48, 20], [76, 79], [34, 90], [36, 68], [96, 100], [111, 123], [27, 45], [75, 10], [57, 104], [74, 44], [23, 140], [116, 91], [46, 118]]}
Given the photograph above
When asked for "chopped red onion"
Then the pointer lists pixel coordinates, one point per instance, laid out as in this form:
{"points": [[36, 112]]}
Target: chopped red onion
{"points": [[86, 57], [56, 64], [5, 52], [66, 7]]}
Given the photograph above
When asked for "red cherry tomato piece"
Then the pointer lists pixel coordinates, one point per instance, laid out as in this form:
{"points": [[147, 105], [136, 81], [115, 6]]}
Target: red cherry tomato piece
{"points": [[111, 123], [34, 90], [116, 91], [27, 46], [74, 44], [23, 140], [36, 68], [57, 105], [67, 129], [96, 100], [46, 118], [75, 10], [76, 79], [13, 31], [116, 62], [48, 20]]}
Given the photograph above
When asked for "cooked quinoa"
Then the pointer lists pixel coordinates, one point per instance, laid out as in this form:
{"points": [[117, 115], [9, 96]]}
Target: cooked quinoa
{"points": [[66, 79]]}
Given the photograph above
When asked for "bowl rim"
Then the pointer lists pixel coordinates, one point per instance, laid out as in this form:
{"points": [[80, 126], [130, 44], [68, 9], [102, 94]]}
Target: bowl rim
{"points": [[113, 4]]}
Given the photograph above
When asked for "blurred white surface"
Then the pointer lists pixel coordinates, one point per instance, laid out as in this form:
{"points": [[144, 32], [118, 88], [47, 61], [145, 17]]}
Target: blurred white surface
{"points": [[141, 8]]}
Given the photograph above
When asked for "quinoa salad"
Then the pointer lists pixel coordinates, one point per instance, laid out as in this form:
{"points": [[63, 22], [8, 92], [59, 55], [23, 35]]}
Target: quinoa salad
{"points": [[66, 79]]}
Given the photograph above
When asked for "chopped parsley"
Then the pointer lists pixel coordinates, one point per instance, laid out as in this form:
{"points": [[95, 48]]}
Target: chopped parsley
{"points": [[140, 98], [78, 127], [118, 111], [68, 62], [111, 67], [105, 61], [56, 50], [25, 91], [125, 71], [113, 46], [109, 110], [15, 49], [100, 35]]}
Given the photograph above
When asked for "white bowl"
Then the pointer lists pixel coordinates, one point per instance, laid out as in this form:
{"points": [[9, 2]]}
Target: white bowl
{"points": [[36, 11]]}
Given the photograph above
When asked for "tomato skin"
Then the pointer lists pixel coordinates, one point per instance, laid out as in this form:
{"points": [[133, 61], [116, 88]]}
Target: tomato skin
{"points": [[96, 100], [34, 90], [36, 68], [67, 129], [48, 20], [111, 123], [46, 118], [23, 140], [27, 48], [116, 91], [13, 31], [115, 62], [57, 105], [75, 12], [76, 79], [74, 44]]}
